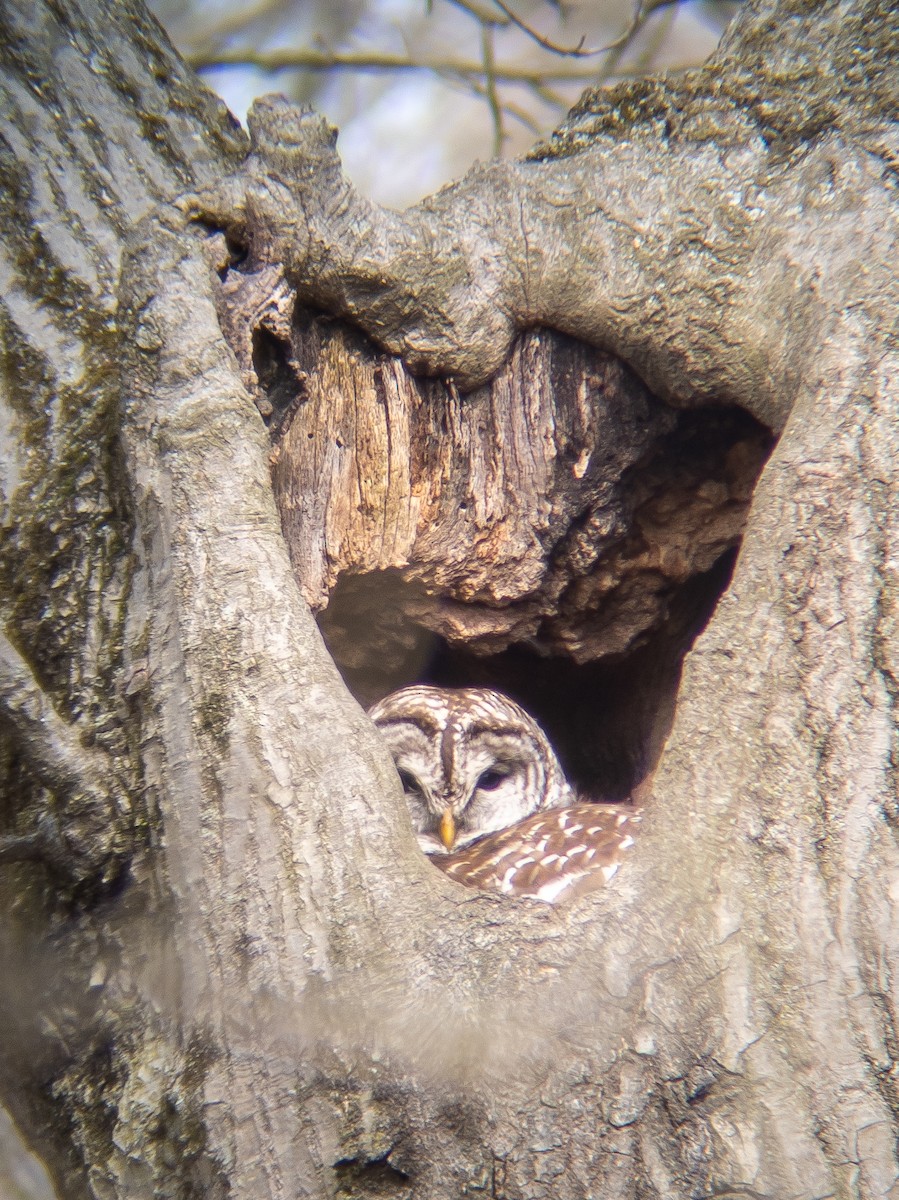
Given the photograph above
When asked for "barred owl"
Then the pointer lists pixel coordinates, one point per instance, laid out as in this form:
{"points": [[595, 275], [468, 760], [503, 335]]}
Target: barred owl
{"points": [[488, 799]]}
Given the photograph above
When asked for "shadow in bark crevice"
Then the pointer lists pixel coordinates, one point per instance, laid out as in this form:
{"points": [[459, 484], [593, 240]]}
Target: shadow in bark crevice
{"points": [[559, 534], [374, 1179], [607, 719], [600, 668]]}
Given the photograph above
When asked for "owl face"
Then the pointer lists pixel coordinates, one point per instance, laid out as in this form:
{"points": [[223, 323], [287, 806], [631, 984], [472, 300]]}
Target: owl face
{"points": [[470, 761]]}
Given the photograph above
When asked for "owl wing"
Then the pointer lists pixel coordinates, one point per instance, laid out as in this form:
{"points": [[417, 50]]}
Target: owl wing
{"points": [[558, 853]]}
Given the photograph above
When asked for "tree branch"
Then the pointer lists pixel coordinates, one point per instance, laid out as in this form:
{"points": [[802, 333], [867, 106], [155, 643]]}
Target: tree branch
{"points": [[577, 51], [642, 13], [480, 13], [493, 102], [327, 60]]}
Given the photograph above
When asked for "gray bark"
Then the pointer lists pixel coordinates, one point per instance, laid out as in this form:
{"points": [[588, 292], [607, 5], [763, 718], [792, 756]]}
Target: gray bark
{"points": [[227, 968]]}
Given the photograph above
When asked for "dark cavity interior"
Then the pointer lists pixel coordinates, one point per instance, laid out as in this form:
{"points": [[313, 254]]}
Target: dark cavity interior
{"points": [[561, 534], [607, 718]]}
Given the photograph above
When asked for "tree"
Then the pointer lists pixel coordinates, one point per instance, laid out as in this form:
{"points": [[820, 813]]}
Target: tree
{"points": [[451, 78], [227, 968]]}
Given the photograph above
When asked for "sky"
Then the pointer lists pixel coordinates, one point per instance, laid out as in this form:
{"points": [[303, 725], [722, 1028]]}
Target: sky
{"points": [[405, 133]]}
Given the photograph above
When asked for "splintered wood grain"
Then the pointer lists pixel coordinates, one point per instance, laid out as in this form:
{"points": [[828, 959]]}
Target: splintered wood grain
{"points": [[562, 505], [470, 493]]}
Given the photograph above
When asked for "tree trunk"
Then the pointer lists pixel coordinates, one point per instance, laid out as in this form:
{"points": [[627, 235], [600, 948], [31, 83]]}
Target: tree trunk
{"points": [[228, 970]]}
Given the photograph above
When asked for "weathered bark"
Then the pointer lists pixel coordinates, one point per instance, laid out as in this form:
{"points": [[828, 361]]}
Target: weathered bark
{"points": [[515, 506], [559, 533], [227, 969]]}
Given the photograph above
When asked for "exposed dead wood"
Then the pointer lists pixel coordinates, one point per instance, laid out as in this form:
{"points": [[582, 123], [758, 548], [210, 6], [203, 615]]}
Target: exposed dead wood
{"points": [[562, 506]]}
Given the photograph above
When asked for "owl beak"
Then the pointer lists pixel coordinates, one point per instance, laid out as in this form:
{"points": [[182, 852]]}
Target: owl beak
{"points": [[448, 829]]}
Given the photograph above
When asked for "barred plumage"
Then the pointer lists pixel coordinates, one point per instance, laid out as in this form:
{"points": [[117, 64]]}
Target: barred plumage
{"points": [[471, 761], [554, 855], [488, 798]]}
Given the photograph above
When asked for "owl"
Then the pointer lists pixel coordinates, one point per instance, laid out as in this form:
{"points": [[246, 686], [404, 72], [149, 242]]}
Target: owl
{"points": [[488, 799]]}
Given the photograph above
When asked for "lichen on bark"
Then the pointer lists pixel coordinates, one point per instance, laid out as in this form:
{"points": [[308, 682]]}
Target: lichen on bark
{"points": [[273, 1004]]}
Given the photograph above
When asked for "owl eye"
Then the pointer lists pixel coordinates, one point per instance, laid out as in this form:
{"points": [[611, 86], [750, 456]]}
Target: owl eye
{"points": [[490, 780], [411, 786]]}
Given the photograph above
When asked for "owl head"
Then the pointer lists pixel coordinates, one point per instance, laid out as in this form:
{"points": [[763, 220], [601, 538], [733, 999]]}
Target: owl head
{"points": [[471, 761]]}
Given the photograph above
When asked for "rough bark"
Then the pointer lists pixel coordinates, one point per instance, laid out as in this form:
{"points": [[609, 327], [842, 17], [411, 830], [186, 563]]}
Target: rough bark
{"points": [[227, 969]]}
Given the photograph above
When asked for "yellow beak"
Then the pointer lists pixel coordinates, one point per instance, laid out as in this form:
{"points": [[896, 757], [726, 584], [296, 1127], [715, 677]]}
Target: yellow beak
{"points": [[448, 829]]}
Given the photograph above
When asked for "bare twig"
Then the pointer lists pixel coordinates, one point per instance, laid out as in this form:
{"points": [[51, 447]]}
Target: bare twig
{"points": [[642, 13], [549, 96], [496, 112], [511, 111], [326, 60], [577, 51], [619, 48], [222, 24], [659, 34], [481, 12]]}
